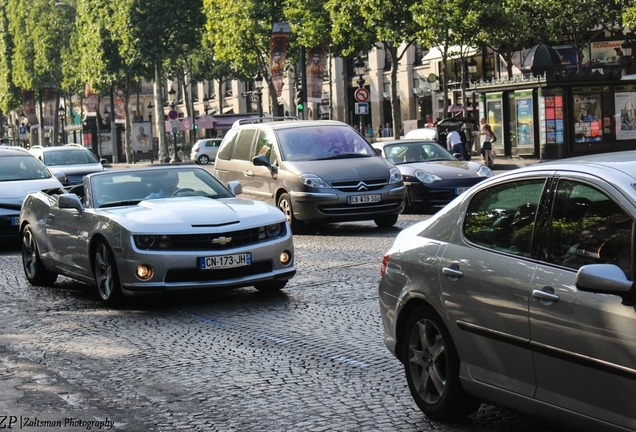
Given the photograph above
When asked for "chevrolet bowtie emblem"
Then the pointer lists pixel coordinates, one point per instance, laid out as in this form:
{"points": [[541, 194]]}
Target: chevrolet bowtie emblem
{"points": [[362, 186], [222, 240]]}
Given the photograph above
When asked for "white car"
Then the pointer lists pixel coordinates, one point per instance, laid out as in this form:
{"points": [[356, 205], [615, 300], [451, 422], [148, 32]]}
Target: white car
{"points": [[425, 134], [20, 173], [73, 160], [205, 150]]}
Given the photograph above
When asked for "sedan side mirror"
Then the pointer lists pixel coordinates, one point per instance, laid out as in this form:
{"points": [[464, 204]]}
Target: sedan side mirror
{"points": [[606, 279]]}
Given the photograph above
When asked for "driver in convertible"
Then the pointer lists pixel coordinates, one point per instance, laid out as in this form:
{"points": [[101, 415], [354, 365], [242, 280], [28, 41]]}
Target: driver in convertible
{"points": [[168, 187]]}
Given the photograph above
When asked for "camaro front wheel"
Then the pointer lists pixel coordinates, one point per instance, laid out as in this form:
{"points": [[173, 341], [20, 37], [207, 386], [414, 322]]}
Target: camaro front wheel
{"points": [[34, 270], [106, 276], [431, 364]]}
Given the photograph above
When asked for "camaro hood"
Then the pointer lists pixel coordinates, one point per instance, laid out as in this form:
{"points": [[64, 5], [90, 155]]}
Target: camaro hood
{"points": [[195, 211], [344, 169]]}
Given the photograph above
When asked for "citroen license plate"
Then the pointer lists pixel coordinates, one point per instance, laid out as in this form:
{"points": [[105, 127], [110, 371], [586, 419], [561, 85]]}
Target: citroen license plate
{"points": [[364, 199], [225, 261]]}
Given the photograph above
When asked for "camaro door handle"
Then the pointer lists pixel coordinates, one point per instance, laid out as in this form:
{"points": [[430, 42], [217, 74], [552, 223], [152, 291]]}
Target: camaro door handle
{"points": [[248, 173], [545, 294]]}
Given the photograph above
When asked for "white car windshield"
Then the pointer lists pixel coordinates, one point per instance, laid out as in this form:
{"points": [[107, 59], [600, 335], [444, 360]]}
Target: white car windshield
{"points": [[21, 167]]}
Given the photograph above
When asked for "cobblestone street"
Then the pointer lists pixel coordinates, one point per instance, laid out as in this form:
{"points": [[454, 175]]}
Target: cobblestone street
{"points": [[308, 359]]}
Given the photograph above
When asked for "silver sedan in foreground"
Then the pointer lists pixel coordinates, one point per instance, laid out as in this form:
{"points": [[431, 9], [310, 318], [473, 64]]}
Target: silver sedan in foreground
{"points": [[142, 231], [521, 293]]}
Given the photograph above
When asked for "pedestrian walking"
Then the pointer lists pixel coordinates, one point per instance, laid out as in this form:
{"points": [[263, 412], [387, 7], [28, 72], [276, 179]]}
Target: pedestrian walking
{"points": [[486, 147], [370, 130]]}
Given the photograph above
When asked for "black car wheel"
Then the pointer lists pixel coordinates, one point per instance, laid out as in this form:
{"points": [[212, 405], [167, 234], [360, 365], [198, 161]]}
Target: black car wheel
{"points": [[106, 276], [386, 221], [285, 205], [203, 160], [431, 364], [34, 270]]}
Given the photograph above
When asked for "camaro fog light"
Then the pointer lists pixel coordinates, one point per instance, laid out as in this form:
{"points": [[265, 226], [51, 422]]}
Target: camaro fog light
{"points": [[144, 271], [285, 257]]}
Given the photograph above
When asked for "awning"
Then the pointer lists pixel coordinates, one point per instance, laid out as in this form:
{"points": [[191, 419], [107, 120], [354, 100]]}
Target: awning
{"points": [[204, 122], [454, 52], [452, 109]]}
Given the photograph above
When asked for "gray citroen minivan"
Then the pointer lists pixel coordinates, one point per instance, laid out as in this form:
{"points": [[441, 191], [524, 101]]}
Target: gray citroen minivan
{"points": [[321, 171]]}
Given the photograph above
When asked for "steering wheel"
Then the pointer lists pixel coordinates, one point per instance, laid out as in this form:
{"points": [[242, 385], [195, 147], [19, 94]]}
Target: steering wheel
{"points": [[180, 191]]}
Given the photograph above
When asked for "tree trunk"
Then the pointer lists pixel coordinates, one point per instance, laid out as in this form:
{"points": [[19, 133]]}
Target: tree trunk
{"points": [[159, 121]]}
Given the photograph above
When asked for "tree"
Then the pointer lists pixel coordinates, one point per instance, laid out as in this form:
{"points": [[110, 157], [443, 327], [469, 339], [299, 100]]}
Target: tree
{"points": [[9, 93], [365, 22], [240, 33], [452, 26]]}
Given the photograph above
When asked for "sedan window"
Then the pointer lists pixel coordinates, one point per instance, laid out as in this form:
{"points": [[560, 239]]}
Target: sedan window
{"points": [[588, 227], [503, 217]]}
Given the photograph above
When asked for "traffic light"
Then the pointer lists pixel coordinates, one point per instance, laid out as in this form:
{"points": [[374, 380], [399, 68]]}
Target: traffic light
{"points": [[195, 126], [299, 100]]}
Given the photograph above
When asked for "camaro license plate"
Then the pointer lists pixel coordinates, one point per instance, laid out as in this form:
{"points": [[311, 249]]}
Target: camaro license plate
{"points": [[225, 261], [363, 199], [15, 221], [459, 191]]}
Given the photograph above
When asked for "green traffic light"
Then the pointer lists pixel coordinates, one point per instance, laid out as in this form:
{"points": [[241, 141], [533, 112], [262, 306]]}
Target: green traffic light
{"points": [[196, 127], [301, 107]]}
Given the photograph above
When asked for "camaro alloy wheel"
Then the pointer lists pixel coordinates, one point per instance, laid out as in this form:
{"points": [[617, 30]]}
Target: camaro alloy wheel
{"points": [[431, 364], [106, 276], [34, 270]]}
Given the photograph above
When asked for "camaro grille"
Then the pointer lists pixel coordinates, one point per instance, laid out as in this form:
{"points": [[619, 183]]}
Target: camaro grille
{"points": [[196, 275], [360, 185], [204, 242]]}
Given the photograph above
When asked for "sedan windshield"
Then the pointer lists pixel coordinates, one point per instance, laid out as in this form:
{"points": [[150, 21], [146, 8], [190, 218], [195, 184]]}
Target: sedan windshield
{"points": [[21, 167], [322, 142]]}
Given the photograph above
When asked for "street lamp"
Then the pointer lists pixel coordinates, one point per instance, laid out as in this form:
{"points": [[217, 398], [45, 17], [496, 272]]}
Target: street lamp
{"points": [[62, 116], [171, 98], [152, 150], [258, 91], [472, 66]]}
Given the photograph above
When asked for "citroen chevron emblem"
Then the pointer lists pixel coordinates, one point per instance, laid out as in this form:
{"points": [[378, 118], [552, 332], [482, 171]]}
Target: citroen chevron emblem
{"points": [[222, 240], [362, 186]]}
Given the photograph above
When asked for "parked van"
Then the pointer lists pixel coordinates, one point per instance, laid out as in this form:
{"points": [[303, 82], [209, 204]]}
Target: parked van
{"points": [[321, 171]]}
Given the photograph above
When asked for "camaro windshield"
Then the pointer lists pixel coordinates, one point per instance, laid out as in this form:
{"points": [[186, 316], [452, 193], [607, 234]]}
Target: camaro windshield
{"points": [[131, 187]]}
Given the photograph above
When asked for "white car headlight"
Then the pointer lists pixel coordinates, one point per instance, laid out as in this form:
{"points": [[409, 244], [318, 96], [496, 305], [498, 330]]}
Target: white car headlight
{"points": [[426, 178], [395, 176], [312, 180], [484, 171]]}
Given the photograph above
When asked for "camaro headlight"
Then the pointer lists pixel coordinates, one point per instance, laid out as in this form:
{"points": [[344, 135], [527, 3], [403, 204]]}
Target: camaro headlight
{"points": [[395, 176], [152, 242], [269, 231], [312, 180], [484, 171], [426, 178]]}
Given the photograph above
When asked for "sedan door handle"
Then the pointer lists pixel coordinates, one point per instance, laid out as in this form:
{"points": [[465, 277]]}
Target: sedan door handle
{"points": [[452, 271], [545, 295], [248, 173], [51, 215]]}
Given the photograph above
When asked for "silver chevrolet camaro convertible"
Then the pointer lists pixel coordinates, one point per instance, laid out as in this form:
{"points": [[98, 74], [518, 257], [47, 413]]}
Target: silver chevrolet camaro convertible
{"points": [[143, 231]]}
